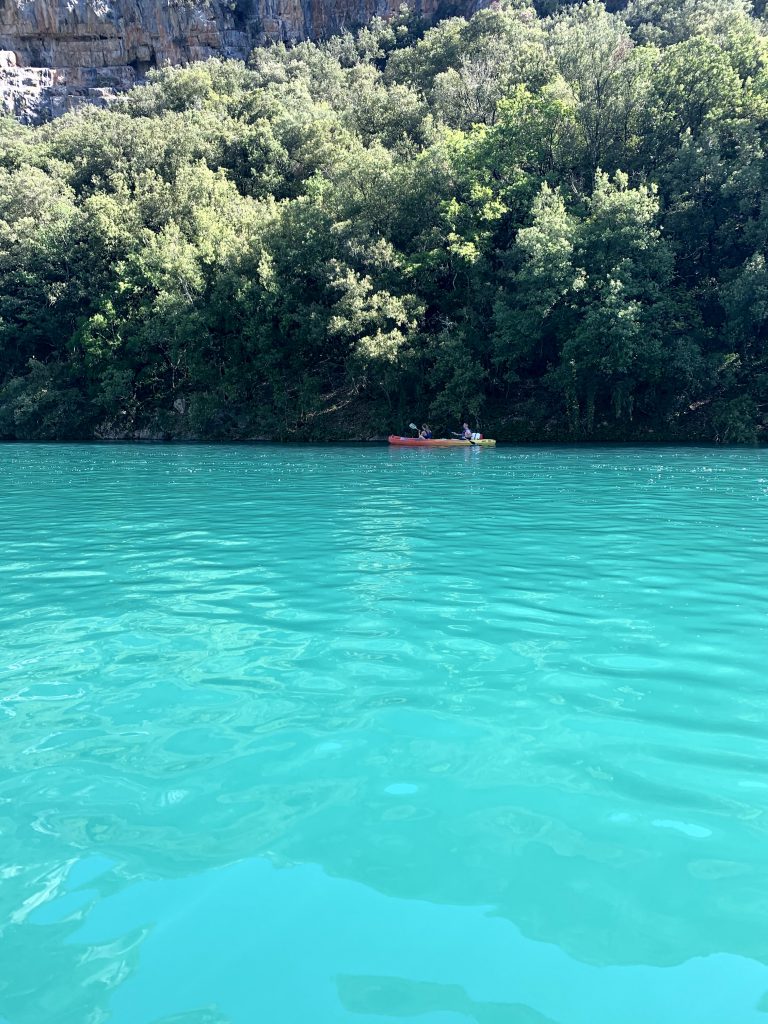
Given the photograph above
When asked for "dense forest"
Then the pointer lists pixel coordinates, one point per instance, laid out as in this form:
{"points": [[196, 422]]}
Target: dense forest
{"points": [[550, 221]]}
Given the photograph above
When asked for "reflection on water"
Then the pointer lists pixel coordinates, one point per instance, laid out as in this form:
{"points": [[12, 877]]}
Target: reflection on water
{"points": [[255, 942], [337, 734], [398, 997]]}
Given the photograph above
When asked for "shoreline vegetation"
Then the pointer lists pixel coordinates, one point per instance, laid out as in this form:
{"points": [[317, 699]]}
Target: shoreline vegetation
{"points": [[550, 220]]}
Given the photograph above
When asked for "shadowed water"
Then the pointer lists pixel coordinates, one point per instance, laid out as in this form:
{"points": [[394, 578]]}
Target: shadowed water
{"points": [[323, 735]]}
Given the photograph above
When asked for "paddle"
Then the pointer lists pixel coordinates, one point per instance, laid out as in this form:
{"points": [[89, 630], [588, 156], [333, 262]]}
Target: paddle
{"points": [[414, 427]]}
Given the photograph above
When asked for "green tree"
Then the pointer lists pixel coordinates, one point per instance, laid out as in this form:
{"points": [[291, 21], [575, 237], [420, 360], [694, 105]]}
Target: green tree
{"points": [[595, 54]]}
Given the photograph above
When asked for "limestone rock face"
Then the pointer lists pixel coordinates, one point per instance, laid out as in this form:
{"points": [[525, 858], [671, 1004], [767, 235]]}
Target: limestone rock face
{"points": [[34, 94], [56, 55]]}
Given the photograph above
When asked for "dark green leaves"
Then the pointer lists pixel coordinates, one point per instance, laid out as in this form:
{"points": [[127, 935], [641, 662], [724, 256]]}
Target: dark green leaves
{"points": [[553, 224]]}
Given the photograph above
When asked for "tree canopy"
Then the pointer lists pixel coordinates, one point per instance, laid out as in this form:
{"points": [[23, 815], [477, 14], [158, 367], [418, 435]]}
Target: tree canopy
{"points": [[550, 220]]}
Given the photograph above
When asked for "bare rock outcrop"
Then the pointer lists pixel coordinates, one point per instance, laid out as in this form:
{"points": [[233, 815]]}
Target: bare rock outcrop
{"points": [[56, 55]]}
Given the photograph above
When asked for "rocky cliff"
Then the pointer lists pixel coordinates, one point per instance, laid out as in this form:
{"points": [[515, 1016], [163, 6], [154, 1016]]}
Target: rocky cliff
{"points": [[56, 55]]}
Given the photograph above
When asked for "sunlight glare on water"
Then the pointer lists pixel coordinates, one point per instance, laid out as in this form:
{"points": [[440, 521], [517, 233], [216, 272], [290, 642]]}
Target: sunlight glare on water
{"points": [[323, 735]]}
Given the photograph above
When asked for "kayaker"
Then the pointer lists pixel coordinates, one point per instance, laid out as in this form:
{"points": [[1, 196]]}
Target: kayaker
{"points": [[425, 432], [466, 433]]}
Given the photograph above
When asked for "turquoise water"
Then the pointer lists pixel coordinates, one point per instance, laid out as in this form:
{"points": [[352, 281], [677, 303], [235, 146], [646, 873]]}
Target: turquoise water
{"points": [[350, 734]]}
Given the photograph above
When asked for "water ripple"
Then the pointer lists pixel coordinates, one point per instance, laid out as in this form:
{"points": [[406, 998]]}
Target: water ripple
{"points": [[515, 697]]}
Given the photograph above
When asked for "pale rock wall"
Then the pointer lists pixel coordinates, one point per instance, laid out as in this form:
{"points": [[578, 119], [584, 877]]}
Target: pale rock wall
{"points": [[59, 54], [56, 55]]}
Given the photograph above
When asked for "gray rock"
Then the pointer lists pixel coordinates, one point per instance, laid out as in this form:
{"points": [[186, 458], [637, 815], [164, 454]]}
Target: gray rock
{"points": [[56, 55]]}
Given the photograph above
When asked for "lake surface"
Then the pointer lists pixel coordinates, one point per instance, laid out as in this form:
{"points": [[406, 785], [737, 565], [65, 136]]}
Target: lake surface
{"points": [[324, 735]]}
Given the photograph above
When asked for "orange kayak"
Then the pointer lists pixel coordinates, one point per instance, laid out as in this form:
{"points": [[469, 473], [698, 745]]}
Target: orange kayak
{"points": [[441, 442]]}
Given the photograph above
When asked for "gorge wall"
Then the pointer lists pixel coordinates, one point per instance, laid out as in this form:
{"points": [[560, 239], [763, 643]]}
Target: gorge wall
{"points": [[56, 55]]}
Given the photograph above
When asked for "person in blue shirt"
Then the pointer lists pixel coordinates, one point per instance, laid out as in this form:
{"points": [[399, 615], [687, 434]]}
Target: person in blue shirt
{"points": [[425, 432]]}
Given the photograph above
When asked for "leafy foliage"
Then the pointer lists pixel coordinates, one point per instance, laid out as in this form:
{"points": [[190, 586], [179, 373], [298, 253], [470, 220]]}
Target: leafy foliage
{"points": [[549, 219]]}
